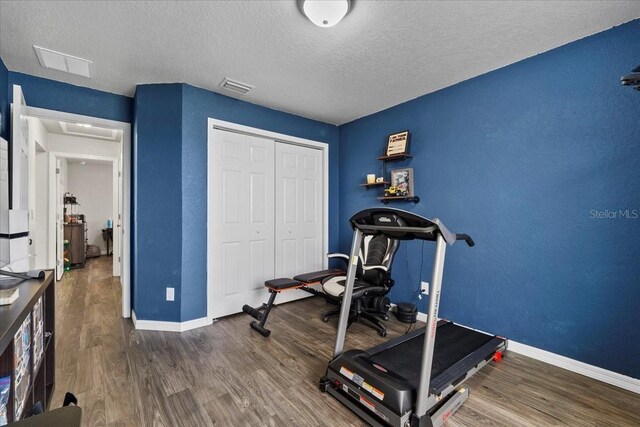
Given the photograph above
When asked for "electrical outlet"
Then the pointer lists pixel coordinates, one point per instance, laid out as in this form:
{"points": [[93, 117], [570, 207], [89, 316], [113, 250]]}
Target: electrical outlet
{"points": [[170, 294], [424, 288]]}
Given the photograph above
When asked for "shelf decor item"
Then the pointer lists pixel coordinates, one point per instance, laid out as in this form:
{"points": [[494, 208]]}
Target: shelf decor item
{"points": [[398, 144], [402, 182]]}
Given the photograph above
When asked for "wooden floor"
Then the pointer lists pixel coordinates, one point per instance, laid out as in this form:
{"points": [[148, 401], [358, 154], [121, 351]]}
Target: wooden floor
{"points": [[228, 375]]}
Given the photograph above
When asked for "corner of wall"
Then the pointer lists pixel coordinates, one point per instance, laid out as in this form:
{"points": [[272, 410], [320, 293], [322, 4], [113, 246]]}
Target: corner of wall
{"points": [[4, 101]]}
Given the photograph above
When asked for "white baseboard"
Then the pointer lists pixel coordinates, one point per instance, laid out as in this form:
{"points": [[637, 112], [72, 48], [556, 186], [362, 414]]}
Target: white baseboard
{"points": [[600, 374], [158, 325]]}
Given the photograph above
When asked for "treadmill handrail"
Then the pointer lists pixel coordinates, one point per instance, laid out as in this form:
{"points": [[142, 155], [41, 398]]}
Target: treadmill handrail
{"points": [[425, 230]]}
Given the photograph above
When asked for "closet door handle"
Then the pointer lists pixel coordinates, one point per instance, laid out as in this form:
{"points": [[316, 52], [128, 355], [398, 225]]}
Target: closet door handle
{"points": [[257, 231], [289, 231]]}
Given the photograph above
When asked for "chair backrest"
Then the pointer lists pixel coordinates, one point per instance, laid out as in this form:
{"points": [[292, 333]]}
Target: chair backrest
{"points": [[376, 250]]}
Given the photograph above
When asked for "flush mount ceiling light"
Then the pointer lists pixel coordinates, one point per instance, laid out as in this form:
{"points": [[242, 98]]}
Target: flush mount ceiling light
{"points": [[325, 13]]}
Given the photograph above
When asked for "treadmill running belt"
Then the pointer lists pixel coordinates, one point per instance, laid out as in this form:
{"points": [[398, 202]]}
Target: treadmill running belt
{"points": [[453, 343]]}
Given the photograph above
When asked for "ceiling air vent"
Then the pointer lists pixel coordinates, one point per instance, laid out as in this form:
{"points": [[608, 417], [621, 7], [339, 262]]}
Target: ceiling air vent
{"points": [[235, 86], [61, 61]]}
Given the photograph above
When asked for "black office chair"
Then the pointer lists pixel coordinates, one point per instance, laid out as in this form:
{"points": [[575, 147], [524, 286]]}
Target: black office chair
{"points": [[373, 282]]}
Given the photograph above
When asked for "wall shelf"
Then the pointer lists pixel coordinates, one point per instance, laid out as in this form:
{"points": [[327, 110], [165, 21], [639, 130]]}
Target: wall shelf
{"points": [[375, 184], [386, 200], [395, 158], [387, 184]]}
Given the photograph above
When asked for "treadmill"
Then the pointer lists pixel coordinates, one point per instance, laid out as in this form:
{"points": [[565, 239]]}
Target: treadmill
{"points": [[416, 379]]}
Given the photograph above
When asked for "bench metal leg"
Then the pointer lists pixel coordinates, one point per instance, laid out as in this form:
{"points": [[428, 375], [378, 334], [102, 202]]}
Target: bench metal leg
{"points": [[261, 314]]}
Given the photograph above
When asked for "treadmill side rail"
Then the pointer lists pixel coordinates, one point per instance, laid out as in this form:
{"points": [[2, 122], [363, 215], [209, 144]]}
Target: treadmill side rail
{"points": [[347, 296], [431, 327]]}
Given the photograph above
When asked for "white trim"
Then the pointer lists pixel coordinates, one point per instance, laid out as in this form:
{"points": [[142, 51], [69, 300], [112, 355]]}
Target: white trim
{"points": [[157, 325], [125, 194], [600, 374], [278, 137]]}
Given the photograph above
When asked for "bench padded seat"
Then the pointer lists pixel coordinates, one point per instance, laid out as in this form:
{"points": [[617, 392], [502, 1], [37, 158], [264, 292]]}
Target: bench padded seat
{"points": [[318, 276], [282, 284]]}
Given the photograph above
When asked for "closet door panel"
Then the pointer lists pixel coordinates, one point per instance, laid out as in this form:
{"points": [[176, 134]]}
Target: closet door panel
{"points": [[231, 269], [242, 221], [299, 213]]}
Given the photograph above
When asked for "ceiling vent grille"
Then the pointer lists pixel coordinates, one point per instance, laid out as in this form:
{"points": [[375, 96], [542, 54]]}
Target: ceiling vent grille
{"points": [[81, 129], [61, 61], [235, 86]]}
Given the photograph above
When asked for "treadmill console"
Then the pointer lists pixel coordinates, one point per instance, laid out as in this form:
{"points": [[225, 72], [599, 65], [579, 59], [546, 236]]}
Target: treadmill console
{"points": [[387, 219], [399, 224]]}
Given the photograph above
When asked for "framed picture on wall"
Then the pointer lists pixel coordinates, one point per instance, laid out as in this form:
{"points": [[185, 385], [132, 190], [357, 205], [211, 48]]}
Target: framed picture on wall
{"points": [[402, 180], [398, 144]]}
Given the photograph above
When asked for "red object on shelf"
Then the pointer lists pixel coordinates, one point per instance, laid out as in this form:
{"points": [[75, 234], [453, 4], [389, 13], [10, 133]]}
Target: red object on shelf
{"points": [[497, 356]]}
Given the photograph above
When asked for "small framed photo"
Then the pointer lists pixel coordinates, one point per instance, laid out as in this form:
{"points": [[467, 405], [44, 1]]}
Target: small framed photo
{"points": [[398, 144], [402, 180]]}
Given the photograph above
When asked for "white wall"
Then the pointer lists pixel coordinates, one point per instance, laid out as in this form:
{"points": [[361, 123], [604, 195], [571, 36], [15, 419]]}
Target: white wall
{"points": [[78, 145], [42, 211], [92, 184], [38, 193], [64, 172]]}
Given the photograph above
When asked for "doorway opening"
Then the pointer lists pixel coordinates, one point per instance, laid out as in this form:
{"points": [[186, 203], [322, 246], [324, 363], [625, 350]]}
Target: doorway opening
{"points": [[90, 157]]}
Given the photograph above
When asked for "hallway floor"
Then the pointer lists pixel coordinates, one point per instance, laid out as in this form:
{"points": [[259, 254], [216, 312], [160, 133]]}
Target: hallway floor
{"points": [[227, 374]]}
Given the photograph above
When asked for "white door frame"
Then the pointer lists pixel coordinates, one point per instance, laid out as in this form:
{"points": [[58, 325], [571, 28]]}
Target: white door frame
{"points": [[213, 124], [124, 195]]}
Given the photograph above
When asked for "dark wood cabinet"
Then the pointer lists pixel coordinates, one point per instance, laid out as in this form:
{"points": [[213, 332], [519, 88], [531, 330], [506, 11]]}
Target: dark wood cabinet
{"points": [[76, 235], [27, 347]]}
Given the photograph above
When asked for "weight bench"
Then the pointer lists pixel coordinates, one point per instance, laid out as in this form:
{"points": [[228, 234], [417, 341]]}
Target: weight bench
{"points": [[275, 286]]}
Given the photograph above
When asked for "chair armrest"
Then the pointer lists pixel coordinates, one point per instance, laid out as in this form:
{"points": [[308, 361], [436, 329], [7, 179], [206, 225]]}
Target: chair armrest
{"points": [[342, 257], [375, 267], [366, 290]]}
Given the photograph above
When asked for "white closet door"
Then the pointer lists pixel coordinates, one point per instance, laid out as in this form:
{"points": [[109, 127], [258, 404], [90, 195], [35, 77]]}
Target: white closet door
{"points": [[299, 213], [243, 220]]}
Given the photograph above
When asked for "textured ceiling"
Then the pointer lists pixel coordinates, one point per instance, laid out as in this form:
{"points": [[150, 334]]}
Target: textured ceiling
{"points": [[381, 54]]}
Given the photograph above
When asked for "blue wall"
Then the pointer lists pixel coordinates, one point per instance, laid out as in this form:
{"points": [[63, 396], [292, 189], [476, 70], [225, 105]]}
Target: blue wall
{"points": [[58, 96], [518, 158], [157, 195], [4, 101], [181, 193]]}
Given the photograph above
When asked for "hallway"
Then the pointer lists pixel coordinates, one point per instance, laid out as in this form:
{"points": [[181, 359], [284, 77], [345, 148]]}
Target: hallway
{"points": [[91, 361]]}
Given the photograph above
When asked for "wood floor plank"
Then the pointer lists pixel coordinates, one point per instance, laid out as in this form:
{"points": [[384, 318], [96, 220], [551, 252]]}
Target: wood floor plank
{"points": [[184, 410], [227, 374]]}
